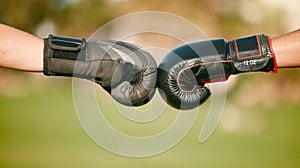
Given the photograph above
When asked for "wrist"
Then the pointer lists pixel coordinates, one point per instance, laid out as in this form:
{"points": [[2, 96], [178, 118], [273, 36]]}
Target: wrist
{"points": [[60, 54], [253, 53]]}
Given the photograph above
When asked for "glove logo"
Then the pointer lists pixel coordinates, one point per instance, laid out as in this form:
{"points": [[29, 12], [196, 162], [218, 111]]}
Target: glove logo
{"points": [[96, 109], [250, 62]]}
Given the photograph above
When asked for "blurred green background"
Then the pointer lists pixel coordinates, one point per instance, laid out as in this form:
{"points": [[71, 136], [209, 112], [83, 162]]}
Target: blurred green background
{"points": [[259, 128]]}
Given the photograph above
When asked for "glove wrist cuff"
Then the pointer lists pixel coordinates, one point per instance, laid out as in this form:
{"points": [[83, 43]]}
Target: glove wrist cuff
{"points": [[272, 54], [60, 54], [252, 53]]}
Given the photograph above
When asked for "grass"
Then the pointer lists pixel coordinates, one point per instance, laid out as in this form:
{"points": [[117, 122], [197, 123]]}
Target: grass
{"points": [[41, 129]]}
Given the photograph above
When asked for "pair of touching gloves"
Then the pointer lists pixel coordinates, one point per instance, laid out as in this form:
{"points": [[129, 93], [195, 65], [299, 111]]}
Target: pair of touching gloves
{"points": [[130, 74]]}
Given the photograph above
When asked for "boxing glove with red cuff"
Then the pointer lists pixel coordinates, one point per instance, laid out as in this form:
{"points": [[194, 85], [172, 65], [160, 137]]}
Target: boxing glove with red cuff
{"points": [[183, 72]]}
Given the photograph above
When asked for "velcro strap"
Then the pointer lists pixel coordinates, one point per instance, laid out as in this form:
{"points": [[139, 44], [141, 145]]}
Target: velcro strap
{"points": [[246, 48], [65, 47], [251, 54]]}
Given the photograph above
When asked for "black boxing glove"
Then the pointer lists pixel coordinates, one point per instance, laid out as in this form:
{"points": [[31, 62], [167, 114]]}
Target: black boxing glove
{"points": [[183, 72], [123, 70]]}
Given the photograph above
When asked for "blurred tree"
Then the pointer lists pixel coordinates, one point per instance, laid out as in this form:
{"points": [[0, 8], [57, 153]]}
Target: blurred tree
{"points": [[25, 15], [81, 18], [76, 18]]}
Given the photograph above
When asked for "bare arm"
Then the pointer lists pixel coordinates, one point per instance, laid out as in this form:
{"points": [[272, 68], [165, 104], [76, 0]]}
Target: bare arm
{"points": [[20, 50], [23, 51], [287, 49]]}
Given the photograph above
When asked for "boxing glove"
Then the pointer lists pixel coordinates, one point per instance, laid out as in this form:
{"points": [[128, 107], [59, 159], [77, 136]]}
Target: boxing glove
{"points": [[125, 71], [184, 71]]}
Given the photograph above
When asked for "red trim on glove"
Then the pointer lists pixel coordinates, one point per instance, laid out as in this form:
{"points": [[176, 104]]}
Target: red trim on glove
{"points": [[221, 79], [273, 55], [204, 63], [248, 56]]}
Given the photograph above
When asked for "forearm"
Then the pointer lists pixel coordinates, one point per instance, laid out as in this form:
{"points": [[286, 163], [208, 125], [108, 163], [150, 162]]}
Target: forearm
{"points": [[287, 49], [20, 50]]}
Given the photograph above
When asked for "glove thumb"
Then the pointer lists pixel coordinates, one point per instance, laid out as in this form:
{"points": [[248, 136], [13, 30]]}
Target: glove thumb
{"points": [[179, 87]]}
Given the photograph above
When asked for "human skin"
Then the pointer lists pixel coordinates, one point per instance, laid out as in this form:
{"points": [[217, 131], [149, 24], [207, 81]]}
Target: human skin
{"points": [[287, 49], [20, 50], [23, 51]]}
